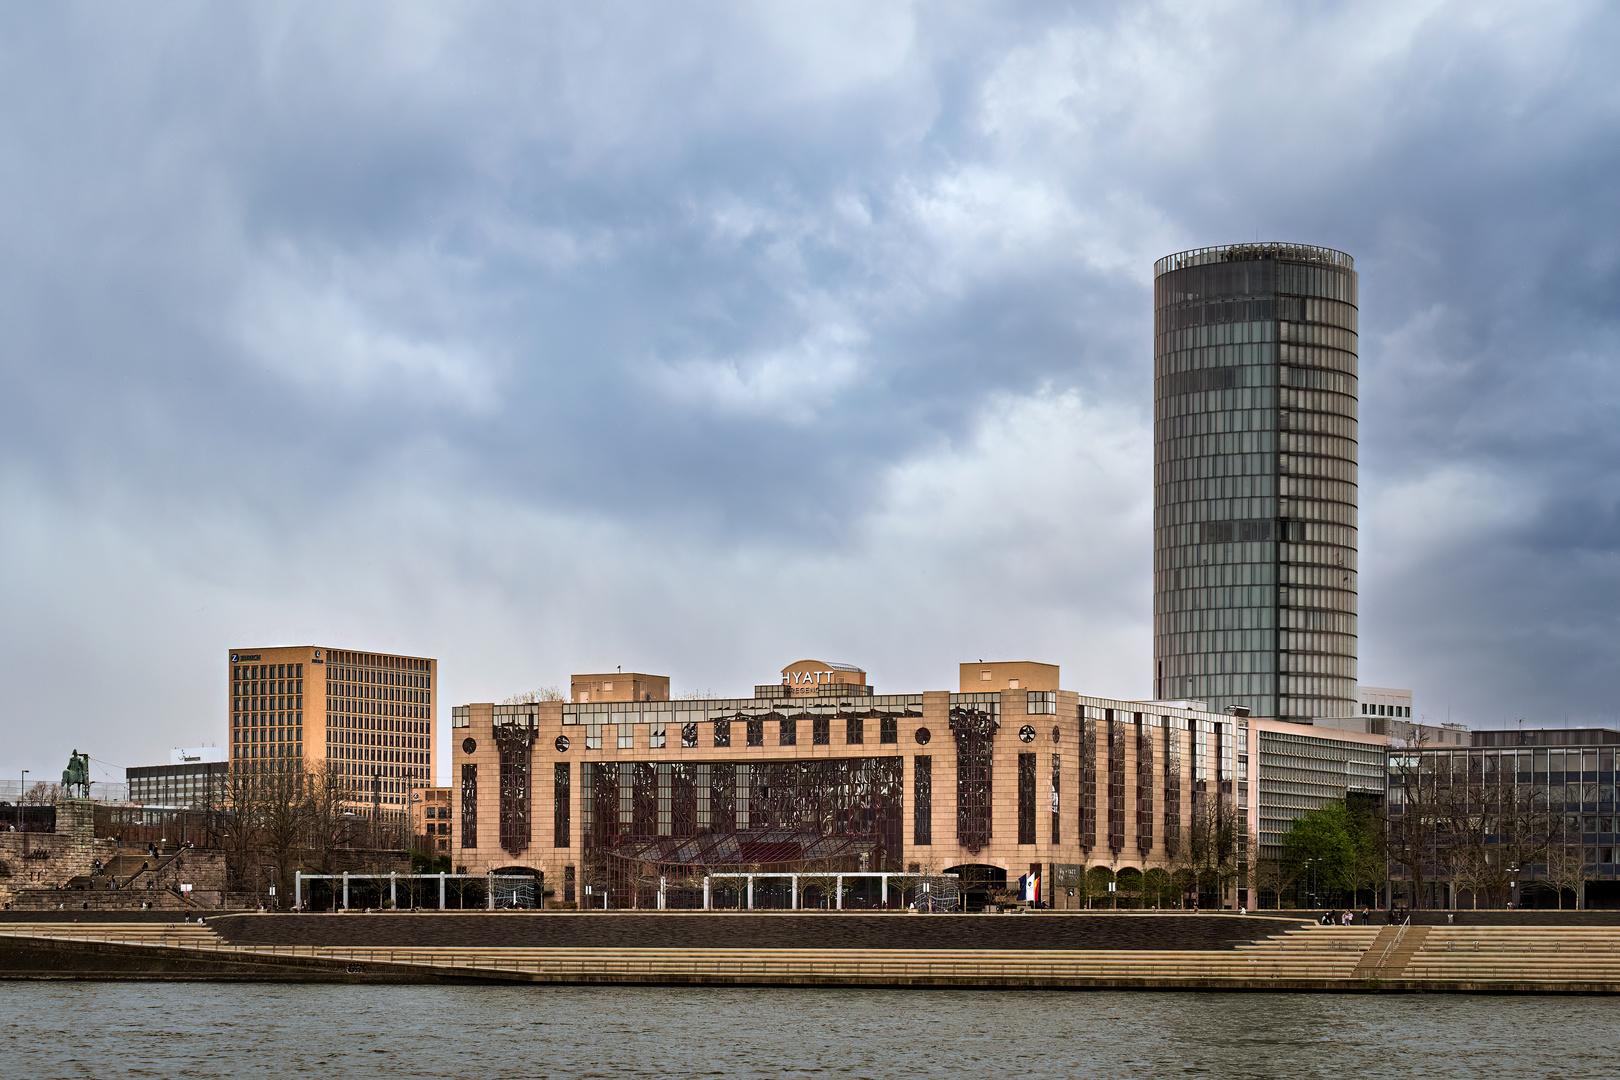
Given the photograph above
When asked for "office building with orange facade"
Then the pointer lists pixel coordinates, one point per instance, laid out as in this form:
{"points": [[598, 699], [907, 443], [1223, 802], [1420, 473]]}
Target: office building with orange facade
{"points": [[368, 716]]}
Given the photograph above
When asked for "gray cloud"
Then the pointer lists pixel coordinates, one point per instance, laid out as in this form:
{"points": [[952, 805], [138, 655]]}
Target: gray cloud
{"points": [[698, 341]]}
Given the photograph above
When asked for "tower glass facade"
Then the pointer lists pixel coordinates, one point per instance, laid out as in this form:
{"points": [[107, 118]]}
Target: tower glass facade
{"points": [[1254, 479]]}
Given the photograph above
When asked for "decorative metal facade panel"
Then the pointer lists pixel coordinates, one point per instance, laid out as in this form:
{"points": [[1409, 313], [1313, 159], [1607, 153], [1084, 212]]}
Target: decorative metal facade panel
{"points": [[1026, 798], [562, 801], [1116, 782], [1145, 775], [469, 806], [922, 800], [975, 731], [1087, 793]]}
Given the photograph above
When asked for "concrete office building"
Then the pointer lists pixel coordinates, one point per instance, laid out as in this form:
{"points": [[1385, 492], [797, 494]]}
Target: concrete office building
{"points": [[194, 779], [1543, 806], [1255, 532], [369, 716], [1007, 777]]}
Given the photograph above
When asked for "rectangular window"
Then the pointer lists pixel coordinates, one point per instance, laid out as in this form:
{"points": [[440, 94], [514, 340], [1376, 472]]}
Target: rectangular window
{"points": [[593, 736], [655, 736], [821, 730], [469, 806], [789, 733], [1041, 702], [756, 731], [888, 729], [922, 800], [1026, 798], [854, 730], [722, 733], [561, 790], [689, 735], [627, 736]]}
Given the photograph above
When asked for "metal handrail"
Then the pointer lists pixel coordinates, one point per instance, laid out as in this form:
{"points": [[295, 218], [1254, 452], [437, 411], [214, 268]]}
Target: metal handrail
{"points": [[1259, 249], [1394, 941]]}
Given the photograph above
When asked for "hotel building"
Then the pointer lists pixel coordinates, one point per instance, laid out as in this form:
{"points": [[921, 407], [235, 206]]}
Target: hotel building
{"points": [[1007, 777], [370, 716]]}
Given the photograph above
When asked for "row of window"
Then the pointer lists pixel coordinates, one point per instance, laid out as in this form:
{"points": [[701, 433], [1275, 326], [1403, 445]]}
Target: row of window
{"points": [[1324, 379], [1201, 468], [787, 732], [1297, 355], [1318, 423], [240, 672], [1193, 447], [1219, 574], [1167, 514], [1216, 423], [1215, 400]]}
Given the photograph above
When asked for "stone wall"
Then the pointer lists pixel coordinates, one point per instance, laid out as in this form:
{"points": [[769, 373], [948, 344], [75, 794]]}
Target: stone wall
{"points": [[744, 931], [41, 860]]}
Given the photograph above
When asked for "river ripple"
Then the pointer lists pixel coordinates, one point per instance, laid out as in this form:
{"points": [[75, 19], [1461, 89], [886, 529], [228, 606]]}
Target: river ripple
{"points": [[203, 1030]]}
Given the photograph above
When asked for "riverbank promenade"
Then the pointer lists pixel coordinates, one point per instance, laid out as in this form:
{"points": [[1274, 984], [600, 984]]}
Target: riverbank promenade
{"points": [[1170, 951]]}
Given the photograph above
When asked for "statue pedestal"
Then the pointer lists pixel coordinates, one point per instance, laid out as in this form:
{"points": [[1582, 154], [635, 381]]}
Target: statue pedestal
{"points": [[76, 818]]}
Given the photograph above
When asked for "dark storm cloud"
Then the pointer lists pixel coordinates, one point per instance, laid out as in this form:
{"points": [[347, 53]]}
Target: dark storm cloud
{"points": [[700, 339]]}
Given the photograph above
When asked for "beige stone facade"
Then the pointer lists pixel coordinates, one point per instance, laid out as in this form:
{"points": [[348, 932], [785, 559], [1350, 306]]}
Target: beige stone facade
{"points": [[1016, 778], [371, 715], [430, 818]]}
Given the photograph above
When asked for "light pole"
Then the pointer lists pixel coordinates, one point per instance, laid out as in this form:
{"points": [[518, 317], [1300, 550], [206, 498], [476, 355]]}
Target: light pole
{"points": [[1513, 885]]}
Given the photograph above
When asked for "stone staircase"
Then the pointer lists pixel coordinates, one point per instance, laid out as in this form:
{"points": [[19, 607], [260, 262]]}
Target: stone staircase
{"points": [[1318, 958], [1517, 953], [183, 935]]}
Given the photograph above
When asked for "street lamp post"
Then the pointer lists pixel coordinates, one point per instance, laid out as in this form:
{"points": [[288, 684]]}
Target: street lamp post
{"points": [[1513, 885]]}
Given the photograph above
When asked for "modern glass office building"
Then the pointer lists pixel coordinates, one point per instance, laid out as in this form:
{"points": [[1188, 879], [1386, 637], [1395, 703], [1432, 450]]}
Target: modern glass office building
{"points": [[1254, 479]]}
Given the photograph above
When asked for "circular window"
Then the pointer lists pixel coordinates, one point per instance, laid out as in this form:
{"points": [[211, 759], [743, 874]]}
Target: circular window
{"points": [[468, 745], [922, 736], [562, 744], [1056, 734], [1026, 734]]}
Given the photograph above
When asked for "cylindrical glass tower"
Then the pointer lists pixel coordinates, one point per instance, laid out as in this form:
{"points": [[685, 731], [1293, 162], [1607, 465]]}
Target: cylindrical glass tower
{"points": [[1254, 479]]}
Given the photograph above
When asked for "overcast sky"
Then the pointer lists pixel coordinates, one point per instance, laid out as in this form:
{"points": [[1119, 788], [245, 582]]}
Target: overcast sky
{"points": [[699, 339]]}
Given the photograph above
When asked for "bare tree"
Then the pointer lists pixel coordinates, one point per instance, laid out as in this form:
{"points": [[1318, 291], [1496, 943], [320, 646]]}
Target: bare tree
{"points": [[1412, 834], [42, 794], [1566, 865], [529, 697]]}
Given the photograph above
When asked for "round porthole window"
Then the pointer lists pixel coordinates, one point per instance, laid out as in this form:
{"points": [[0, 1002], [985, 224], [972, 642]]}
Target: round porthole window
{"points": [[922, 736], [468, 745], [562, 744], [1026, 734]]}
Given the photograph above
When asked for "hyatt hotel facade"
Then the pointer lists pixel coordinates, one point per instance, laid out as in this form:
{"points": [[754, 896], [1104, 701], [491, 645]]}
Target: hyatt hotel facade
{"points": [[1006, 777]]}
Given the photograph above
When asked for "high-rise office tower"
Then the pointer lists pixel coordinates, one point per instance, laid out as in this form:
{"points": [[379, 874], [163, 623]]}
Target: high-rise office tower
{"points": [[367, 716], [1254, 479]]}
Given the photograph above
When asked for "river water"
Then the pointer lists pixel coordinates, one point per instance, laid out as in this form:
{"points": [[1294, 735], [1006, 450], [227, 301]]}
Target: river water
{"points": [[186, 1030]]}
